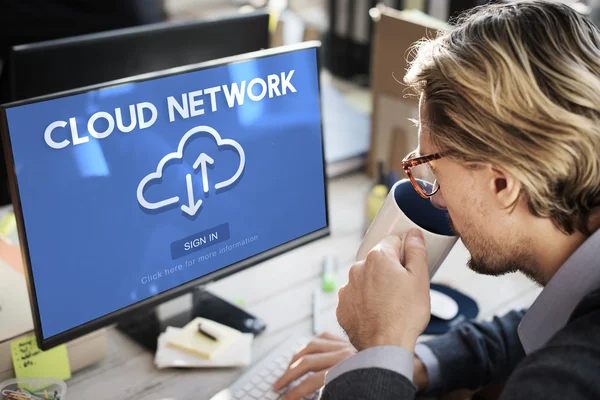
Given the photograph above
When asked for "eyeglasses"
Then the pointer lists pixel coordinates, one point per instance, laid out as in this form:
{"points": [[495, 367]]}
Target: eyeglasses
{"points": [[421, 174]]}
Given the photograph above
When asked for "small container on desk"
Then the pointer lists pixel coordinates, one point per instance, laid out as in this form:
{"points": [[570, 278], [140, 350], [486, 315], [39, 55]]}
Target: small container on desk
{"points": [[377, 195], [33, 389]]}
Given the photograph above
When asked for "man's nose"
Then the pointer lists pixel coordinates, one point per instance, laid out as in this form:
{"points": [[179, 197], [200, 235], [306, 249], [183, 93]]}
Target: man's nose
{"points": [[438, 200]]}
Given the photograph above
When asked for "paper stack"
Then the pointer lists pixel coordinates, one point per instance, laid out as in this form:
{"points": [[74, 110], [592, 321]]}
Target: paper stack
{"points": [[186, 347]]}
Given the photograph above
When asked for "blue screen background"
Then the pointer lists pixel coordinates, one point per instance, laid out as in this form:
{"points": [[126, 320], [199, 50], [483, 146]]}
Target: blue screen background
{"points": [[91, 243]]}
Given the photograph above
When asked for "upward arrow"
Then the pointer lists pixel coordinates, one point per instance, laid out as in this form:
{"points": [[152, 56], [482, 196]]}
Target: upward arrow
{"points": [[202, 161], [193, 207]]}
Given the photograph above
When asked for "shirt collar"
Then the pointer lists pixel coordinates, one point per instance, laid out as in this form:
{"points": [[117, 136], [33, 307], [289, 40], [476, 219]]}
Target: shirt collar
{"points": [[576, 278]]}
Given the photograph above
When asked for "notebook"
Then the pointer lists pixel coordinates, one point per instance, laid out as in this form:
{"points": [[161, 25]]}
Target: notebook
{"points": [[238, 353], [189, 339]]}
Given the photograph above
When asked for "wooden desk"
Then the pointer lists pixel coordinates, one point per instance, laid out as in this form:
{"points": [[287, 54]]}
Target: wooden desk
{"points": [[279, 291]]}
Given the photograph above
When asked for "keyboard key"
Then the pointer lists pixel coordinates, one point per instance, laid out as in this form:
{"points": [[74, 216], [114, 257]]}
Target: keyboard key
{"points": [[259, 384], [272, 395], [272, 367]]}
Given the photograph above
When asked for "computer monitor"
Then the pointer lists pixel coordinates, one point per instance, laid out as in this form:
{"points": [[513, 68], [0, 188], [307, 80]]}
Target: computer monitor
{"points": [[130, 193], [57, 65]]}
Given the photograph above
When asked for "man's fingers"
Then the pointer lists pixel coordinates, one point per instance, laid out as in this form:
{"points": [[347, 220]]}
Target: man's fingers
{"points": [[415, 253], [306, 364], [290, 375], [331, 336], [319, 345], [391, 244], [311, 384]]}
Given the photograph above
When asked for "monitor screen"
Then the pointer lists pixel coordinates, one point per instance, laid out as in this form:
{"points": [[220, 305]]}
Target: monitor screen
{"points": [[128, 191]]}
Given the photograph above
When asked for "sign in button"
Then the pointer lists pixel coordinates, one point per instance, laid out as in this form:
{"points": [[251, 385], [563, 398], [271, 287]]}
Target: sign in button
{"points": [[199, 241]]}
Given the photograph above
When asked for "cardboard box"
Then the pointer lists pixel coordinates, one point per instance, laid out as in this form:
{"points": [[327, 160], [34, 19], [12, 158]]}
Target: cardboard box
{"points": [[289, 28], [395, 31]]}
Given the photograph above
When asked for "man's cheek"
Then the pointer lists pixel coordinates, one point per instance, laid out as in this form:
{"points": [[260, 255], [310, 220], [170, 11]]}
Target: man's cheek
{"points": [[342, 317], [342, 293], [342, 305], [452, 225]]}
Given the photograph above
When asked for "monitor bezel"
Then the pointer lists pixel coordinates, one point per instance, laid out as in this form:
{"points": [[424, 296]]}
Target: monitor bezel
{"points": [[19, 53], [153, 301]]}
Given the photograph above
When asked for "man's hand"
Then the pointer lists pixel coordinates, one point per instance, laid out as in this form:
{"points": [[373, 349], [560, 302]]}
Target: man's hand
{"points": [[317, 357], [385, 303]]}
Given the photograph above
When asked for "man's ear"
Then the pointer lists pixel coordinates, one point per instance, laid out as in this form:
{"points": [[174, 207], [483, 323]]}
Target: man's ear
{"points": [[504, 186]]}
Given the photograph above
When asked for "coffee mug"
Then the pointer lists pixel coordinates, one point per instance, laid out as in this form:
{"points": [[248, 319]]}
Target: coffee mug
{"points": [[403, 210]]}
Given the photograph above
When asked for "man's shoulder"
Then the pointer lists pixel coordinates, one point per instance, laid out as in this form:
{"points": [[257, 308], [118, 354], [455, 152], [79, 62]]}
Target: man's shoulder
{"points": [[583, 327], [566, 367], [587, 308]]}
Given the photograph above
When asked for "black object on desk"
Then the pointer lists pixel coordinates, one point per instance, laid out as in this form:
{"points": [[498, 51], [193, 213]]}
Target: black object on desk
{"points": [[144, 327]]}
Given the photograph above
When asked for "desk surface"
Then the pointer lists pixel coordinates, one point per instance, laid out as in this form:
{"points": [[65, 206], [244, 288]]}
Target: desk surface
{"points": [[284, 301]]}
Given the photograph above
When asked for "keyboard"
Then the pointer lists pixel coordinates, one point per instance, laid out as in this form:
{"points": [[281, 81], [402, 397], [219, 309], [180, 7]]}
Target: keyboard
{"points": [[257, 382]]}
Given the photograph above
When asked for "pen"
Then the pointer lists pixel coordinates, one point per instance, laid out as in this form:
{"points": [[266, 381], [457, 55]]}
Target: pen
{"points": [[316, 307], [204, 332]]}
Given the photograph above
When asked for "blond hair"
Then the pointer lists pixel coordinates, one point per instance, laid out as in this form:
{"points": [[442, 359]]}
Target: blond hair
{"points": [[517, 85]]}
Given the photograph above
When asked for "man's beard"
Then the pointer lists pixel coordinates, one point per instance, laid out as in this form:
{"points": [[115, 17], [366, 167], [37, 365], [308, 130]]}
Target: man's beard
{"points": [[523, 263], [495, 264], [451, 225], [493, 268]]}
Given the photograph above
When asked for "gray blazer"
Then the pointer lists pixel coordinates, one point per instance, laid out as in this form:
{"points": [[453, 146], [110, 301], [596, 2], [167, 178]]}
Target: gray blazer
{"points": [[476, 354]]}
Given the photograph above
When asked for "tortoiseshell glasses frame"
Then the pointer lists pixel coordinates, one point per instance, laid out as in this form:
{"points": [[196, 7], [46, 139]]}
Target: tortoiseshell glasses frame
{"points": [[410, 161]]}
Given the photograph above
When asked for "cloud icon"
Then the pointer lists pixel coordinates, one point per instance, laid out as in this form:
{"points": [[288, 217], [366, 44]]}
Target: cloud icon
{"points": [[203, 159]]}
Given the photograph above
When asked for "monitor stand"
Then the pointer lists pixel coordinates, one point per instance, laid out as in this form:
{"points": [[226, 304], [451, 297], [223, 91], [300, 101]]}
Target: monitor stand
{"points": [[145, 326]]}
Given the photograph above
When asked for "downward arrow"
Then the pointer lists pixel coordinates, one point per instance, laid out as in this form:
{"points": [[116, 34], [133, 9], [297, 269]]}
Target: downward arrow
{"points": [[203, 160], [193, 208]]}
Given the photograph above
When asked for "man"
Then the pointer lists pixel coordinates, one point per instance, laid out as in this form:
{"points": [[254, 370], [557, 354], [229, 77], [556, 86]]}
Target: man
{"points": [[510, 133]]}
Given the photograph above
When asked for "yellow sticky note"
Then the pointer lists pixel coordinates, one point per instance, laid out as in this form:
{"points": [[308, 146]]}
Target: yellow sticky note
{"points": [[8, 224], [31, 362]]}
